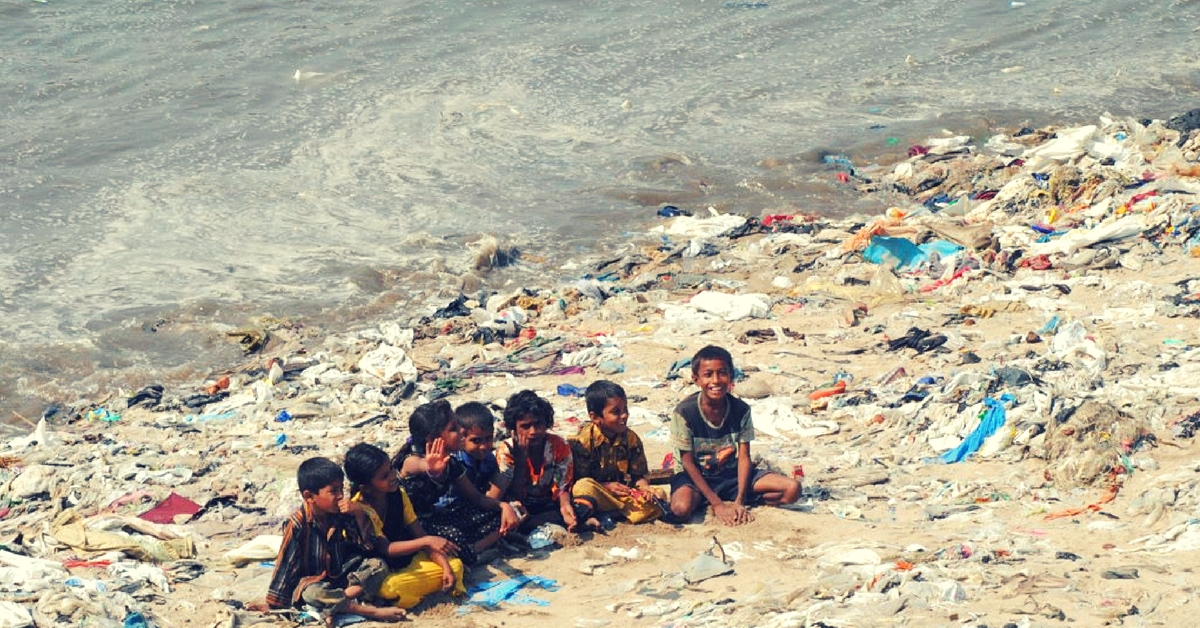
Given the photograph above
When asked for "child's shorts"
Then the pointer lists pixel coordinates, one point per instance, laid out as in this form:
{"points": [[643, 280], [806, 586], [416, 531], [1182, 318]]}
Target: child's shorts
{"points": [[723, 483], [325, 596]]}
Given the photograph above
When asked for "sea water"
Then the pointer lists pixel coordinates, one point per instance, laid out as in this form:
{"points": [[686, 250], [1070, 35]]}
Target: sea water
{"points": [[170, 170]]}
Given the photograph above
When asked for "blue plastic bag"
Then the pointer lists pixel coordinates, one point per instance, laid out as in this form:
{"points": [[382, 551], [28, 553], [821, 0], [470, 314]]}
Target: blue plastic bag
{"points": [[569, 390], [903, 255], [992, 420]]}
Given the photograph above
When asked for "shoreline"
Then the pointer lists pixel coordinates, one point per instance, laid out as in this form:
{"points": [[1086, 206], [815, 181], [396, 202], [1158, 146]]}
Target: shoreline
{"points": [[1087, 330], [111, 351], [104, 347]]}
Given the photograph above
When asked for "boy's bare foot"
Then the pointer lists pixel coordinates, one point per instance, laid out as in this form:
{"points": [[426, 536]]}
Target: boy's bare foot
{"points": [[381, 613], [337, 609]]}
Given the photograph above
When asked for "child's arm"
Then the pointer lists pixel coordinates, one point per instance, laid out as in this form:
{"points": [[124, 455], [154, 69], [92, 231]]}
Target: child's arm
{"points": [[434, 462], [447, 571], [564, 477], [366, 531], [729, 514], [519, 485], [508, 516], [567, 510], [422, 541], [744, 465], [500, 485]]}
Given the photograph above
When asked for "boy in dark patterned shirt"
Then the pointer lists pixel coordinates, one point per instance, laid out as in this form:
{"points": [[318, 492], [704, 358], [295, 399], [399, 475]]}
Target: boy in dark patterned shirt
{"points": [[711, 432]]}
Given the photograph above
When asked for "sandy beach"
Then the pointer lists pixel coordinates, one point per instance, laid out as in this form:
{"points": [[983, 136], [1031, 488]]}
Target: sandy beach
{"points": [[1056, 289]]}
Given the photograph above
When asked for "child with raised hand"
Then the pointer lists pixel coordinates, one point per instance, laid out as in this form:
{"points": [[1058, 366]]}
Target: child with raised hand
{"points": [[376, 496], [443, 497], [536, 463], [711, 432], [610, 460], [324, 560]]}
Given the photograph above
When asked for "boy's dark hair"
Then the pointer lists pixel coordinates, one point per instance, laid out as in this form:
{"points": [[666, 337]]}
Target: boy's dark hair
{"points": [[315, 474], [524, 403], [474, 415], [712, 352], [362, 461], [425, 423], [599, 392]]}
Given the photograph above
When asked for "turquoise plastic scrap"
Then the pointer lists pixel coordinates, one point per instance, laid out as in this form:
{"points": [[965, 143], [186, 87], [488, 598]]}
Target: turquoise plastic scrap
{"points": [[900, 252], [491, 594], [903, 254], [103, 414], [992, 420]]}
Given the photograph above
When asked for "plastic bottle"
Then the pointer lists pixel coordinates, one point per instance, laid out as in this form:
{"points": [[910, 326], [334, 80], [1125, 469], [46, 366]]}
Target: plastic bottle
{"points": [[544, 535]]}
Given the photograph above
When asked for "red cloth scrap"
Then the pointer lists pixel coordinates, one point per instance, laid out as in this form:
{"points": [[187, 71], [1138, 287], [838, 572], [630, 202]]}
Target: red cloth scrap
{"points": [[173, 505]]}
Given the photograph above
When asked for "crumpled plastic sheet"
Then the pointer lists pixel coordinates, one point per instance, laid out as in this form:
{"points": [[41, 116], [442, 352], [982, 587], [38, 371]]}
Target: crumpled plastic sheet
{"points": [[774, 415], [702, 226], [703, 567], [491, 594], [13, 615], [1183, 537], [732, 307], [141, 572]]}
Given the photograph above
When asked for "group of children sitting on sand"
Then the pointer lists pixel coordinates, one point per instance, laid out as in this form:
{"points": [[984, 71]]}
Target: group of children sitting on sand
{"points": [[447, 497]]}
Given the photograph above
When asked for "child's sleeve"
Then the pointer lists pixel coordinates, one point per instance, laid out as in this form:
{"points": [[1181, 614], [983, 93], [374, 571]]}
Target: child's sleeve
{"points": [[746, 430], [285, 578], [638, 467], [564, 466], [408, 513], [681, 434], [584, 461], [505, 462]]}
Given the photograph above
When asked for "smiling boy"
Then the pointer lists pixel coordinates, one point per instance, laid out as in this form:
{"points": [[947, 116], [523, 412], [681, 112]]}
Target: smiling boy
{"points": [[711, 432], [610, 460]]}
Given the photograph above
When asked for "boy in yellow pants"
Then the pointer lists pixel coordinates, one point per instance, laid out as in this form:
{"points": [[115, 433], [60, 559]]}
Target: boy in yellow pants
{"points": [[610, 460]]}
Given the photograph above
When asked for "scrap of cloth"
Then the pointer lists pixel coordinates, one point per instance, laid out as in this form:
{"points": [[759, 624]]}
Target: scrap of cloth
{"points": [[173, 505]]}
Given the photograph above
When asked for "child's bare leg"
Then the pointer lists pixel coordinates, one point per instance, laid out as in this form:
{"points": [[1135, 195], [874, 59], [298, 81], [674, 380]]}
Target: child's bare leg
{"points": [[486, 542], [377, 613], [777, 489], [684, 502]]}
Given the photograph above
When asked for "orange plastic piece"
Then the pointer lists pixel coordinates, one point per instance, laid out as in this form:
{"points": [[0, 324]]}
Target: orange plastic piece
{"points": [[836, 389], [221, 384]]}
